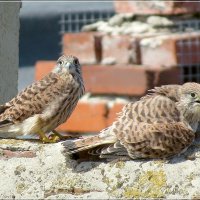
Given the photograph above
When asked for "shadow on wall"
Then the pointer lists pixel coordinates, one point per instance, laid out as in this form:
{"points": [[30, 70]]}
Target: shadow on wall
{"points": [[39, 40]]}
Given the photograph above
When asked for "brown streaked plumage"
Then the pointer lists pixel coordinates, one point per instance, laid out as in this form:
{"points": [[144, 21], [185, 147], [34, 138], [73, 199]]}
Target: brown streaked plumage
{"points": [[45, 104], [161, 124]]}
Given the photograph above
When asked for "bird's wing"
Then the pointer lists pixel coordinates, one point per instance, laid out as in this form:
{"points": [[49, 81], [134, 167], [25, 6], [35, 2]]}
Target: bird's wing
{"points": [[33, 100], [158, 108], [170, 91], [156, 140]]}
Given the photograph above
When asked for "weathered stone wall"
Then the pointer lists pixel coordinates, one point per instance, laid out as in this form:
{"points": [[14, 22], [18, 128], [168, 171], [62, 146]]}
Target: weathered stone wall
{"points": [[9, 49], [33, 170]]}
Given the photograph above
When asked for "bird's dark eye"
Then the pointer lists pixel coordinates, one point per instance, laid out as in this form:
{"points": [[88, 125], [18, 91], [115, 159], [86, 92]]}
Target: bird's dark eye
{"points": [[76, 61], [60, 62], [193, 94]]}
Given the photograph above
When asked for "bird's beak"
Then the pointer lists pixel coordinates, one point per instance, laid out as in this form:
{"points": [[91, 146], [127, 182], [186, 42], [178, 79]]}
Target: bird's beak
{"points": [[68, 65], [198, 101]]}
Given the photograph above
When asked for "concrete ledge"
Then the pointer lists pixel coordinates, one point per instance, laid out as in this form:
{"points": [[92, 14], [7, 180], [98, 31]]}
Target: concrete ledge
{"points": [[34, 170]]}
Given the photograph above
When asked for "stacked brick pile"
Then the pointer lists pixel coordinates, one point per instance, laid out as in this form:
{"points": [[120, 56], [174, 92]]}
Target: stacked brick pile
{"points": [[118, 67]]}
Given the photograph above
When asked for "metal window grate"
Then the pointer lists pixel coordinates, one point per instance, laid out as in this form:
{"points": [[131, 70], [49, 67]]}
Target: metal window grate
{"points": [[187, 25], [74, 21], [188, 52]]}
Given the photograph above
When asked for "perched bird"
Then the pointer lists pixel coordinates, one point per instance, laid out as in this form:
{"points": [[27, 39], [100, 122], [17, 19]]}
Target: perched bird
{"points": [[45, 104], [160, 125]]}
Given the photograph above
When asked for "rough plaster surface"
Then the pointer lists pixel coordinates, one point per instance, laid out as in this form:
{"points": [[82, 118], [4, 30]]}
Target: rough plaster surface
{"points": [[50, 174], [9, 49]]}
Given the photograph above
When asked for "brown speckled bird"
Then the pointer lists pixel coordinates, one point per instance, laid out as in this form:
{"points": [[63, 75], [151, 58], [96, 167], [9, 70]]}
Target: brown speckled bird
{"points": [[161, 124], [45, 104]]}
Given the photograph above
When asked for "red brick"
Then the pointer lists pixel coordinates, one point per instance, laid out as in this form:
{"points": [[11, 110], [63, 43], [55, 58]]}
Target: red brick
{"points": [[87, 117], [113, 111], [85, 45], [18, 154], [167, 50], [156, 7], [123, 49], [129, 80], [122, 80]]}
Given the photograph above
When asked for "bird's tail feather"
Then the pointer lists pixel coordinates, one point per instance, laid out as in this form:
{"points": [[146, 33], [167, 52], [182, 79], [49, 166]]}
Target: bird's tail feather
{"points": [[7, 134], [79, 145]]}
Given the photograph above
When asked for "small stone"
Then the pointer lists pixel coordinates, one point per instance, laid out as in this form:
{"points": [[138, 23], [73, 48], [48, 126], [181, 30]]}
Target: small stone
{"points": [[137, 27], [126, 24], [92, 27], [105, 28], [116, 20], [159, 21], [129, 16], [119, 19]]}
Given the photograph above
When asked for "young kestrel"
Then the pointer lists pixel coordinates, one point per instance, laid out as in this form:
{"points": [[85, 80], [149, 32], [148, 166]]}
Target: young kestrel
{"points": [[161, 124], [45, 104]]}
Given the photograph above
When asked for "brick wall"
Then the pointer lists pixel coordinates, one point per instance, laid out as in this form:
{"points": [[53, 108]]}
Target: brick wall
{"points": [[121, 68], [157, 7]]}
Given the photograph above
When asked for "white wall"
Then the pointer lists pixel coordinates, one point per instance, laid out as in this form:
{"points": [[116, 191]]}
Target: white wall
{"points": [[9, 49]]}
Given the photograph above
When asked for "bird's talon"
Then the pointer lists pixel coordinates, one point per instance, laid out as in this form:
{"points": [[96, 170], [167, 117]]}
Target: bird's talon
{"points": [[62, 137], [50, 140], [54, 138]]}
